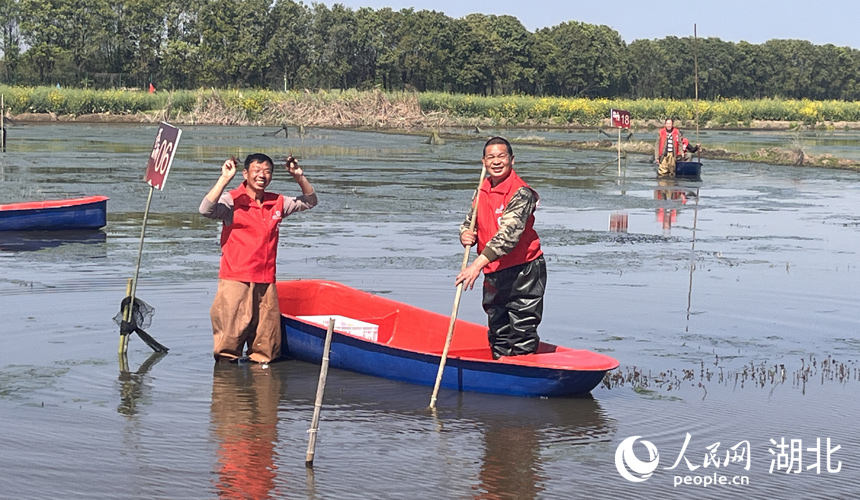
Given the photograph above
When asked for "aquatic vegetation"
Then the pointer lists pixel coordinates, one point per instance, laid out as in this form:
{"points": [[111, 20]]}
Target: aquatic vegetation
{"points": [[760, 376]]}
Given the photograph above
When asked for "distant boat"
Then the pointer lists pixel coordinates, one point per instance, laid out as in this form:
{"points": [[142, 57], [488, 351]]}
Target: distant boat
{"points": [[405, 343], [688, 169], [78, 213]]}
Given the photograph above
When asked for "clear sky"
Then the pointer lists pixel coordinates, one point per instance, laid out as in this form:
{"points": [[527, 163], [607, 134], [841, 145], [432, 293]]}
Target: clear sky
{"points": [[755, 21]]}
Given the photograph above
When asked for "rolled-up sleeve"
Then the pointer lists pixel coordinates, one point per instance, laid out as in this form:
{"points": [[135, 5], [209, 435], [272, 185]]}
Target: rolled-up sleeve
{"points": [[222, 210], [299, 203]]}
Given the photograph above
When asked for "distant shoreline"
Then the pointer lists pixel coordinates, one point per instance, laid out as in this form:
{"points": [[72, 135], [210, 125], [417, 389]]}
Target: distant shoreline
{"points": [[440, 133]]}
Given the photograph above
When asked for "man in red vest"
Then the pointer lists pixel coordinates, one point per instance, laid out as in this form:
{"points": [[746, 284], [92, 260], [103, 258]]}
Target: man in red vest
{"points": [[509, 254], [667, 148], [245, 309]]}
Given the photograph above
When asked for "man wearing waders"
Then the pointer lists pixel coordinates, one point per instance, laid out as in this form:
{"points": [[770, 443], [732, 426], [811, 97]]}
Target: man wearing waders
{"points": [[509, 254], [666, 149]]}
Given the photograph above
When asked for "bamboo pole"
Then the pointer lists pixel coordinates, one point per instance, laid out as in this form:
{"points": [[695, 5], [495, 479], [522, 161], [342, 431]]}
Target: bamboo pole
{"points": [[2, 123], [126, 316], [457, 296], [696, 68], [315, 421], [133, 283]]}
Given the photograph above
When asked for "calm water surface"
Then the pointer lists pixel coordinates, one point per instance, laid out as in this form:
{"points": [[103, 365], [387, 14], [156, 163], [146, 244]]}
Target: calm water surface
{"points": [[731, 304]]}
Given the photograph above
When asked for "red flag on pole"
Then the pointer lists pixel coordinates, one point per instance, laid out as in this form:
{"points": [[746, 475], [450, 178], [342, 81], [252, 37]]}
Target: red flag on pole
{"points": [[151, 88]]}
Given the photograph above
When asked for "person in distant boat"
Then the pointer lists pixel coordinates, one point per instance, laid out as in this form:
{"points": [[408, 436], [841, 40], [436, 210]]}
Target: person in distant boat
{"points": [[667, 149], [509, 254], [245, 309], [686, 149]]}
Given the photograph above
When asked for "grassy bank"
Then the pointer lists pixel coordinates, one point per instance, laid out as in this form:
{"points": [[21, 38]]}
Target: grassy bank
{"points": [[376, 108], [519, 110], [425, 112]]}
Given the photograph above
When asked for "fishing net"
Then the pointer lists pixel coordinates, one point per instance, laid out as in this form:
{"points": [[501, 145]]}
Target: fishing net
{"points": [[141, 315]]}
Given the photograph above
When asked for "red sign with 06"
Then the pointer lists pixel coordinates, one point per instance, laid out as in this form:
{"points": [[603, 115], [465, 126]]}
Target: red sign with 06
{"points": [[161, 157]]}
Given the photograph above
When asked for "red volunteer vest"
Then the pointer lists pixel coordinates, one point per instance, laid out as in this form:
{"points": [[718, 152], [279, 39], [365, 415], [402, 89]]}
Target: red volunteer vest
{"points": [[249, 246], [491, 205], [676, 139]]}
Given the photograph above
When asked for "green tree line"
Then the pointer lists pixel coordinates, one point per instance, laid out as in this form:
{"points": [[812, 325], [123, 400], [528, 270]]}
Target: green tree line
{"points": [[187, 44]]}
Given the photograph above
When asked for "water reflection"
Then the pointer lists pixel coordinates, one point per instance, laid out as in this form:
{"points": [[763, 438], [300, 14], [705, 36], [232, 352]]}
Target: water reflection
{"points": [[517, 433], [133, 388], [511, 465], [618, 221], [670, 191], [31, 241], [244, 415]]}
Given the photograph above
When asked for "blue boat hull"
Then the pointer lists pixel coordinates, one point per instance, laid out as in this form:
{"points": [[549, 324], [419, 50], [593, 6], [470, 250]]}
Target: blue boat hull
{"points": [[305, 342], [688, 169], [89, 215]]}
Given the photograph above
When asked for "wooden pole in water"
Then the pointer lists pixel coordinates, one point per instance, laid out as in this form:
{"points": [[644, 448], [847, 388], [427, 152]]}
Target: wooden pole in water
{"points": [[2, 123], [696, 69], [133, 288], [126, 316], [619, 151], [315, 421], [457, 296]]}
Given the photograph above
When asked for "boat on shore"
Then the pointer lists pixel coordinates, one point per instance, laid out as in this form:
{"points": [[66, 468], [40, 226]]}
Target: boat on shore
{"points": [[385, 338], [70, 214]]}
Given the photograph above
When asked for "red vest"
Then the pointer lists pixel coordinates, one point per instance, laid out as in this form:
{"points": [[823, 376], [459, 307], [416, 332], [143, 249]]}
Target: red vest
{"points": [[249, 246], [491, 205], [676, 139]]}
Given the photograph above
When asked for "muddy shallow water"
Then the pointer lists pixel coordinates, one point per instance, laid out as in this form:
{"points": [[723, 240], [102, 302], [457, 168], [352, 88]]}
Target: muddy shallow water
{"points": [[731, 304]]}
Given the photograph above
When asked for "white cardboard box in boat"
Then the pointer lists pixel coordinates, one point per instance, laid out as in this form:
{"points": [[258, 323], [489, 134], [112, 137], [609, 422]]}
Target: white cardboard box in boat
{"points": [[344, 324]]}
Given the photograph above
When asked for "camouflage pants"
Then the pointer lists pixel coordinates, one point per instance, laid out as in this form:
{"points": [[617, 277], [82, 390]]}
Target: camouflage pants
{"points": [[667, 166]]}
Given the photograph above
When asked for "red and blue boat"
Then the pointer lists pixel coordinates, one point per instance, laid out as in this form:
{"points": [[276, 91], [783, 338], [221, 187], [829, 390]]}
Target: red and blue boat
{"points": [[408, 342], [71, 214]]}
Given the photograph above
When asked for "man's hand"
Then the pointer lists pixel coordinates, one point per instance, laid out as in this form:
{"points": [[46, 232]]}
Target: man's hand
{"points": [[293, 167], [228, 169], [468, 276], [468, 238]]}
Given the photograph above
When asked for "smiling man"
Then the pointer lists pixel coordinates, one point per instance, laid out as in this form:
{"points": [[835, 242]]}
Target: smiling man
{"points": [[245, 309], [509, 254]]}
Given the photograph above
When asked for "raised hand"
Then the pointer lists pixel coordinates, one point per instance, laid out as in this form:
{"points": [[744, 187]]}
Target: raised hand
{"points": [[293, 166], [228, 169]]}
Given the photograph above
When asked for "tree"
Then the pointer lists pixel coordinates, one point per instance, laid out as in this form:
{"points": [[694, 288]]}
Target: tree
{"points": [[233, 44], [65, 31], [584, 59], [493, 55], [425, 44], [10, 43], [287, 42], [646, 60]]}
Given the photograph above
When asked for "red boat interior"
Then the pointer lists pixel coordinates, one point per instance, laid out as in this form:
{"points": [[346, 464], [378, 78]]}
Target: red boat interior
{"points": [[407, 327]]}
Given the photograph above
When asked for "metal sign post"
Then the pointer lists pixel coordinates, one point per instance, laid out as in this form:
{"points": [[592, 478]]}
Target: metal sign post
{"points": [[157, 169], [620, 119]]}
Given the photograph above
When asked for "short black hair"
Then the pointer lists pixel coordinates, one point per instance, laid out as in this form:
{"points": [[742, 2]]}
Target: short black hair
{"points": [[258, 157], [498, 140]]}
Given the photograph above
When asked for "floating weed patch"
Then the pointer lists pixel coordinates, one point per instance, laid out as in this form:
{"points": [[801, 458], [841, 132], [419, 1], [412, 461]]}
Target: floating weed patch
{"points": [[650, 394], [16, 382]]}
